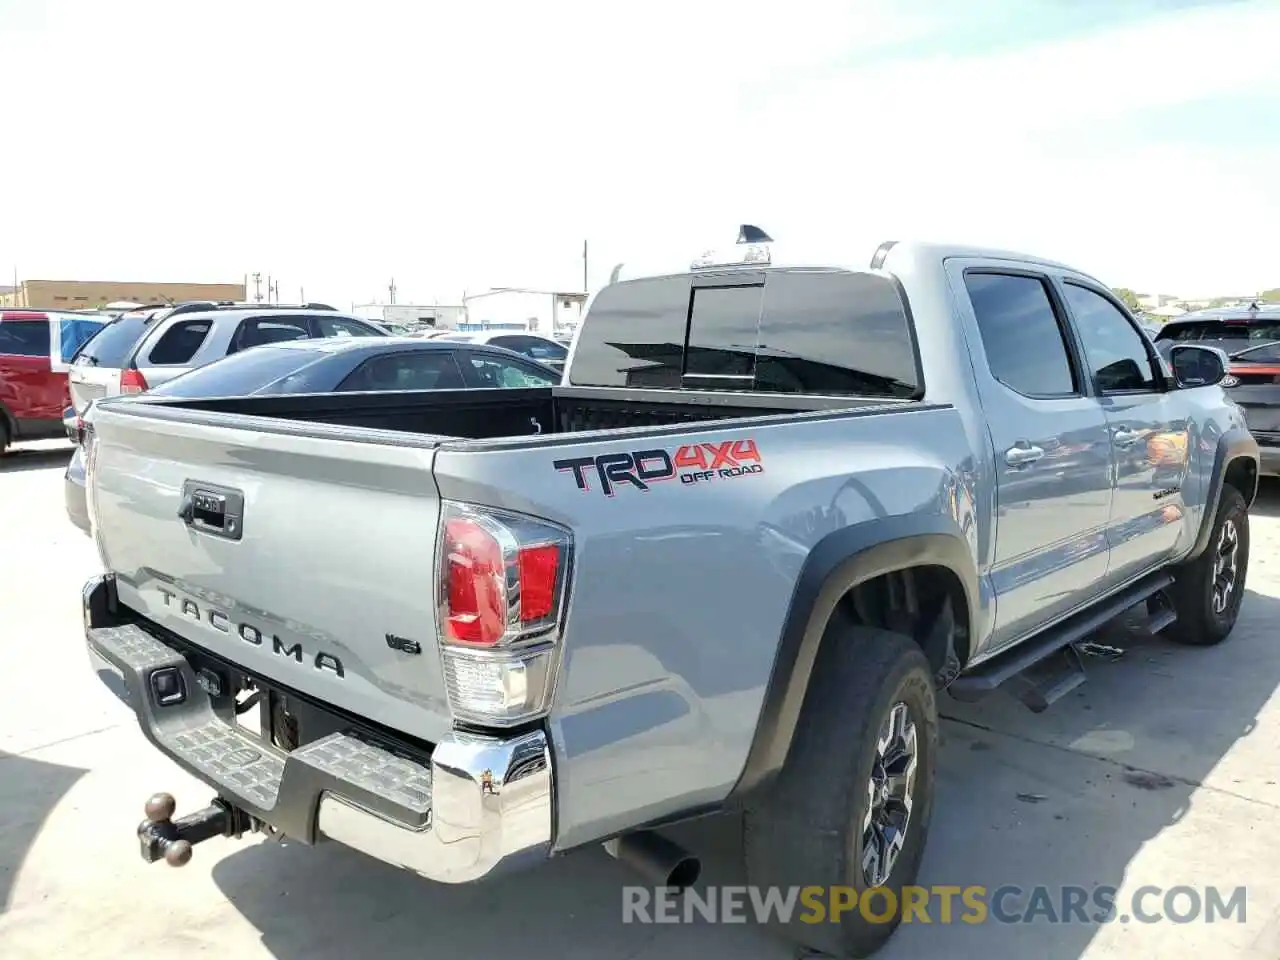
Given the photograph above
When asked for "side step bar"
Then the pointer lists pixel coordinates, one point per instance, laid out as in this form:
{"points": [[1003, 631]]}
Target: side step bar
{"points": [[1047, 667]]}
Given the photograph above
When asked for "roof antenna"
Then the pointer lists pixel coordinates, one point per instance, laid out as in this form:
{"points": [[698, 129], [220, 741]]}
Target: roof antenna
{"points": [[748, 233]]}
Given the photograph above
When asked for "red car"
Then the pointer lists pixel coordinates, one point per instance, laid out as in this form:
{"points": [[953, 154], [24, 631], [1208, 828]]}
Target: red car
{"points": [[36, 347]]}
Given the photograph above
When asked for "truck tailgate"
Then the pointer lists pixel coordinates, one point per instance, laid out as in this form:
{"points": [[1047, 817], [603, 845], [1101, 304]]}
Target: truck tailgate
{"points": [[321, 577]]}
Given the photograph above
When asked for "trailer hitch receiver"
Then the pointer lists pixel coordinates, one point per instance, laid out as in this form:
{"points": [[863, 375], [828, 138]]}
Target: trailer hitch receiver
{"points": [[163, 838]]}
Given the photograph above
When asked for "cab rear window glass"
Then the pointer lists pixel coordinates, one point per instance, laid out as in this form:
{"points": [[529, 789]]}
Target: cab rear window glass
{"points": [[789, 331]]}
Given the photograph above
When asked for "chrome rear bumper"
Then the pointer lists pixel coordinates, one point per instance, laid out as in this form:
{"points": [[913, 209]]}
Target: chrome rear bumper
{"points": [[475, 806]]}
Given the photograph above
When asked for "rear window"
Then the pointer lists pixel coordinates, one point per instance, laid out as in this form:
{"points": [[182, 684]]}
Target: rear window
{"points": [[1222, 330], [786, 331], [179, 343], [25, 338], [244, 373], [111, 345]]}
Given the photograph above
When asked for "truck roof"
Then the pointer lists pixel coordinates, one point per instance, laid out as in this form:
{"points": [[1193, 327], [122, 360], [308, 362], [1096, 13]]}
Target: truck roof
{"points": [[894, 255]]}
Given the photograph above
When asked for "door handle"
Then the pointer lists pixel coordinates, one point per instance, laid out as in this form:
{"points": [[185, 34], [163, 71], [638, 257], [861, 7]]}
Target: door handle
{"points": [[1021, 456], [1126, 438]]}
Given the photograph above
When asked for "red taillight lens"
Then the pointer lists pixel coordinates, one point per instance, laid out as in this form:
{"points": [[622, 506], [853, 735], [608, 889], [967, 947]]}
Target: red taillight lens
{"points": [[132, 381], [539, 567], [475, 584], [501, 576]]}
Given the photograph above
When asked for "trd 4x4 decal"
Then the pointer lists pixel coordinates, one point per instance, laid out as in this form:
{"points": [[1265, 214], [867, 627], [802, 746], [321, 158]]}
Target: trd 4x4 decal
{"points": [[692, 463]]}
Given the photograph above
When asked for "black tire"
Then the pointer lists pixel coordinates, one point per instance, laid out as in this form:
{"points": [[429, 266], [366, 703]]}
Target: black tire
{"points": [[1202, 619], [4, 435], [806, 829]]}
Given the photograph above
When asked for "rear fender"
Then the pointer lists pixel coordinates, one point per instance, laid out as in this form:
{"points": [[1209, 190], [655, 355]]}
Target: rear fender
{"points": [[839, 562]]}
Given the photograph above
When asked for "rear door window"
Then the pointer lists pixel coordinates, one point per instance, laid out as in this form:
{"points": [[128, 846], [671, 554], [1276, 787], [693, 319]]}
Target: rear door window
{"points": [[1022, 337], [491, 371], [256, 331], [178, 344], [792, 331], [343, 327], [25, 338]]}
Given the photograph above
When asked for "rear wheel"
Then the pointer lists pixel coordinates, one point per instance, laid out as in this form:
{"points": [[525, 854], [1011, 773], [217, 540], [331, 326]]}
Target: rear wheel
{"points": [[4, 436], [852, 804], [1209, 590]]}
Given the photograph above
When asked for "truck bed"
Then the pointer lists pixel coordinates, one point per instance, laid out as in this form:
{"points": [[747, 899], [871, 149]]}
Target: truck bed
{"points": [[438, 415], [326, 582]]}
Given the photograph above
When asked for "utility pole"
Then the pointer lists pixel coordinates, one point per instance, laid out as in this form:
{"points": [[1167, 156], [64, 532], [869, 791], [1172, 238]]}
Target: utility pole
{"points": [[391, 289], [257, 287], [302, 295], [269, 300], [275, 292], [585, 288]]}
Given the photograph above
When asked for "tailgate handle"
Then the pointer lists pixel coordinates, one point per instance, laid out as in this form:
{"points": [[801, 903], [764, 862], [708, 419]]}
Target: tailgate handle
{"points": [[217, 511]]}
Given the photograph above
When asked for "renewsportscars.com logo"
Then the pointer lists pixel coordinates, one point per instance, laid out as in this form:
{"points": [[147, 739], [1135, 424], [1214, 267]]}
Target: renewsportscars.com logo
{"points": [[692, 463]]}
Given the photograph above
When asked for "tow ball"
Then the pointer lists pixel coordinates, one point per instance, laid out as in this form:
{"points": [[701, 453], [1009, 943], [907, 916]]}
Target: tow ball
{"points": [[162, 837]]}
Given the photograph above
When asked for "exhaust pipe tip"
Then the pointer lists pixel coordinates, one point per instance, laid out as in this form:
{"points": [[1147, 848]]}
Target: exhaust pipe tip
{"points": [[685, 873], [659, 860]]}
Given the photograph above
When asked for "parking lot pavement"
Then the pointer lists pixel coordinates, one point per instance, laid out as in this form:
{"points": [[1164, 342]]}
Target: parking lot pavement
{"points": [[1162, 770]]}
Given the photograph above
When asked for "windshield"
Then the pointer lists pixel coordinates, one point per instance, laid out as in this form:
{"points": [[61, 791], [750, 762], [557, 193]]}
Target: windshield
{"points": [[250, 371], [111, 345]]}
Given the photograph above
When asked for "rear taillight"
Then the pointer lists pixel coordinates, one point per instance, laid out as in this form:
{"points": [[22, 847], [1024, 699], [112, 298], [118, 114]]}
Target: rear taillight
{"points": [[502, 581], [132, 381]]}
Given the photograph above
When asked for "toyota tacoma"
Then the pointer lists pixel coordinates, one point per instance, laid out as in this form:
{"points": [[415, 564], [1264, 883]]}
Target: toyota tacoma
{"points": [[728, 564]]}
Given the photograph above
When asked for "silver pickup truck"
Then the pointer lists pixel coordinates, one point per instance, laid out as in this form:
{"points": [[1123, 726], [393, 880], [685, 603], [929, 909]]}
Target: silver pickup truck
{"points": [[727, 565]]}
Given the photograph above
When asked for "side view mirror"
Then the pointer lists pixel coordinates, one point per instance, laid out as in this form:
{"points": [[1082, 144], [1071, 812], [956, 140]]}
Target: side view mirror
{"points": [[1195, 366]]}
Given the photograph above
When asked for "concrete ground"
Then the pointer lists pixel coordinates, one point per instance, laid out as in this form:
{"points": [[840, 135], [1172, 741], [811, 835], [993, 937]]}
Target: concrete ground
{"points": [[1162, 770]]}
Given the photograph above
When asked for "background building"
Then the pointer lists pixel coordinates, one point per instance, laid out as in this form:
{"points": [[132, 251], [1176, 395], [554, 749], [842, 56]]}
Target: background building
{"points": [[86, 294], [538, 311], [415, 316]]}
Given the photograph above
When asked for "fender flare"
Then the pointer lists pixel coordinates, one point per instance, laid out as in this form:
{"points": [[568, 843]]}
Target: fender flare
{"points": [[836, 564], [1234, 444]]}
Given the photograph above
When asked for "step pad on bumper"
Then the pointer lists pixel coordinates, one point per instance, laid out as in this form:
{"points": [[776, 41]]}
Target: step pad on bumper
{"points": [[224, 754], [284, 789]]}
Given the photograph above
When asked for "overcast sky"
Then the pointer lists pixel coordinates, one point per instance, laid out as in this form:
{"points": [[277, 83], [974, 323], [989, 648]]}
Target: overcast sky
{"points": [[466, 145]]}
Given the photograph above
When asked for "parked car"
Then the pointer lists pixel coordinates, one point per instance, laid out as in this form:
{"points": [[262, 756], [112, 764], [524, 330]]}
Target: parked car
{"points": [[169, 341], [1253, 381], [1228, 328], [538, 348], [728, 564], [337, 365], [35, 347], [1249, 335]]}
